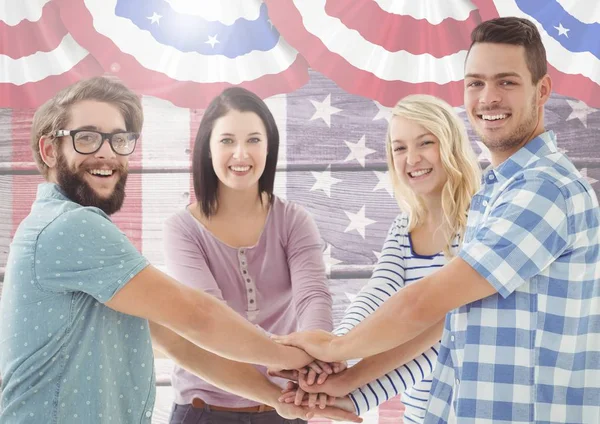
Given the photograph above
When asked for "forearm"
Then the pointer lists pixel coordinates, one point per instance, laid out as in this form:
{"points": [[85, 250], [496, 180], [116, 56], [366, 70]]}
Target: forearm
{"points": [[225, 333], [235, 377], [203, 320], [374, 367], [408, 310]]}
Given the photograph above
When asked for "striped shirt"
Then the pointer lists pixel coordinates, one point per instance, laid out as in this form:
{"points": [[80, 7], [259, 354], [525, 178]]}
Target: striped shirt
{"points": [[531, 352], [398, 266]]}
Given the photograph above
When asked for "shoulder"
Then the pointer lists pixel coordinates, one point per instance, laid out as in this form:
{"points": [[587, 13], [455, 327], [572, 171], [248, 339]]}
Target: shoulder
{"points": [[179, 219], [289, 212], [86, 218], [400, 224]]}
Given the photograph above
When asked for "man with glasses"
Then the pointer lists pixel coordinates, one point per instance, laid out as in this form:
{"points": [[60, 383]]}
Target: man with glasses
{"points": [[80, 304]]}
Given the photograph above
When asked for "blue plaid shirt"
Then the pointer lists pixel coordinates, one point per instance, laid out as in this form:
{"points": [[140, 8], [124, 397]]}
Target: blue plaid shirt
{"points": [[531, 352]]}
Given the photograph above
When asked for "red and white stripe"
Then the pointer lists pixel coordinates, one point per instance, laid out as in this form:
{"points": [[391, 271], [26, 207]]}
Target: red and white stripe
{"points": [[380, 49], [38, 55], [187, 79]]}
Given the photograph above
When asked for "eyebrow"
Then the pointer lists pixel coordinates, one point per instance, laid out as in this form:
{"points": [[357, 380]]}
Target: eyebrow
{"points": [[425, 134], [497, 76], [233, 135], [94, 128]]}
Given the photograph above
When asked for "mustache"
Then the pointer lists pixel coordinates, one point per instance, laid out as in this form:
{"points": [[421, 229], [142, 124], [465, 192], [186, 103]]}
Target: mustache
{"points": [[102, 164]]}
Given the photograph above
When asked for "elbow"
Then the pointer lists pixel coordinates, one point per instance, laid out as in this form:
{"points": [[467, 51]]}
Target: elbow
{"points": [[197, 313], [418, 308]]}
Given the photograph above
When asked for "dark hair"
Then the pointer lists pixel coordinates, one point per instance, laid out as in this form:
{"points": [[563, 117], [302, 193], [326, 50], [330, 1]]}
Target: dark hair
{"points": [[206, 182], [517, 32]]}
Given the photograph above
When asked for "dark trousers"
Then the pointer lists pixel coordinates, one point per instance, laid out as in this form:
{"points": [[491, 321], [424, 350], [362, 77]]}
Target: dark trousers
{"points": [[187, 414]]}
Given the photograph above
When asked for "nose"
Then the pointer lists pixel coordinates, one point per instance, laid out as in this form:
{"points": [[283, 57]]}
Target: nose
{"points": [[413, 157], [240, 150], [105, 151], [489, 95]]}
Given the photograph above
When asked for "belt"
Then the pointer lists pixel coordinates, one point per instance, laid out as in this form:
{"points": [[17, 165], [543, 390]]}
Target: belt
{"points": [[199, 404]]}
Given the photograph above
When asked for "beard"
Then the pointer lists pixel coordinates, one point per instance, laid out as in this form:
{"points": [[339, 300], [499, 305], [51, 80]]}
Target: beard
{"points": [[518, 136], [75, 187]]}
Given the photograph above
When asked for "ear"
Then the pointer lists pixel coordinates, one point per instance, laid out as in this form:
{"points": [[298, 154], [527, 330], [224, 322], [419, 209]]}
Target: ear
{"points": [[544, 89], [48, 151]]}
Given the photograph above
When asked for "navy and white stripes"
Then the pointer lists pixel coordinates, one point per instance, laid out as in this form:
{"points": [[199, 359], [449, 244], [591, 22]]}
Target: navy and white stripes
{"points": [[398, 266]]}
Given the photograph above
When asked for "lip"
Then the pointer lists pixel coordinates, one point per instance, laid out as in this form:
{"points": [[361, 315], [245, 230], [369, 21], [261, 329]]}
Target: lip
{"points": [[420, 177], [240, 173], [101, 179], [495, 123]]}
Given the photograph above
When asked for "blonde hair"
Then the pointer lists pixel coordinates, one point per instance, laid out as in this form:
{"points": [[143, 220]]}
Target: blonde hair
{"points": [[54, 114], [457, 157]]}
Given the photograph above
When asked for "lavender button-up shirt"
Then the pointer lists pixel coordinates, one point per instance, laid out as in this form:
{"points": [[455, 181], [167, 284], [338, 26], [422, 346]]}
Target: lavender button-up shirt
{"points": [[279, 284]]}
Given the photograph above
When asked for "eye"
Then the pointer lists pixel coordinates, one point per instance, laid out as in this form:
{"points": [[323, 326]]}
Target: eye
{"points": [[254, 140], [507, 83], [427, 142], [226, 141], [399, 148], [475, 84]]}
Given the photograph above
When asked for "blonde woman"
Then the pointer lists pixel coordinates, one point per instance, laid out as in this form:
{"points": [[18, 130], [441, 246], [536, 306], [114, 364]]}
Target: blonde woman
{"points": [[434, 174]]}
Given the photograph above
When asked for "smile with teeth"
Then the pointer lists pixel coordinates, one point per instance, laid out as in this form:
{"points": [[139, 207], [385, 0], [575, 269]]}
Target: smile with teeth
{"points": [[240, 168], [101, 172], [493, 117], [420, 172]]}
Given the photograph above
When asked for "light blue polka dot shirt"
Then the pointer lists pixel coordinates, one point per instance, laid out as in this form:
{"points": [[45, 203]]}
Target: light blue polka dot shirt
{"points": [[64, 356]]}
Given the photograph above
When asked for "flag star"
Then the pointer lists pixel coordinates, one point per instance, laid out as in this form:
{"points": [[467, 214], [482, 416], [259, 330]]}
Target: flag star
{"points": [[485, 154], [350, 296], [324, 110], [212, 40], [584, 173], [155, 18], [383, 112], [329, 260], [579, 111], [384, 182], [358, 151], [324, 181], [358, 221], [562, 30]]}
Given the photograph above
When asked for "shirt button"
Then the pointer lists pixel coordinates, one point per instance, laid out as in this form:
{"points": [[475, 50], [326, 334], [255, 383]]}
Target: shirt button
{"points": [[484, 203], [491, 177], [148, 414], [451, 338], [457, 381]]}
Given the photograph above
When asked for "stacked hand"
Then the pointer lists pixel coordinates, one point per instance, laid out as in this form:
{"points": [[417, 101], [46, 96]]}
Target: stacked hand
{"points": [[320, 383], [317, 343]]}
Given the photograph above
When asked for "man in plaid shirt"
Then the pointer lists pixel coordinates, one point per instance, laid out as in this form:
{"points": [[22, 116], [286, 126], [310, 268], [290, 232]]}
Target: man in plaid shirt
{"points": [[522, 301]]}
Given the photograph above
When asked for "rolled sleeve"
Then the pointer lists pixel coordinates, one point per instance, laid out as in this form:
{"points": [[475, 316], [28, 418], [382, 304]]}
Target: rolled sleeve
{"points": [[83, 251], [525, 231]]}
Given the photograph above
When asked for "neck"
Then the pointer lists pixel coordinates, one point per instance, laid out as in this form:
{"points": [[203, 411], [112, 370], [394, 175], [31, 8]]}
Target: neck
{"points": [[435, 214], [238, 203]]}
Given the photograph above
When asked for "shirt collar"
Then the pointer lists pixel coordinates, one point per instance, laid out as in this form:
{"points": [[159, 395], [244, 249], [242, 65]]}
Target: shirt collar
{"points": [[50, 190], [542, 145]]}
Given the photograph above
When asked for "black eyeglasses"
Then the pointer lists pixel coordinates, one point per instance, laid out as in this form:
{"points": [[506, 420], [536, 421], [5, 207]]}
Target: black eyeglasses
{"points": [[87, 142]]}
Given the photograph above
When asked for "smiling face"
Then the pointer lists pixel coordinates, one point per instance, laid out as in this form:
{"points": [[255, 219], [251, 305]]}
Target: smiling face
{"points": [[503, 105], [97, 179], [238, 147], [416, 157]]}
